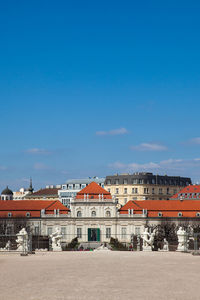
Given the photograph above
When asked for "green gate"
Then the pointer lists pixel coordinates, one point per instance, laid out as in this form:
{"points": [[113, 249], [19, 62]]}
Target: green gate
{"points": [[93, 234]]}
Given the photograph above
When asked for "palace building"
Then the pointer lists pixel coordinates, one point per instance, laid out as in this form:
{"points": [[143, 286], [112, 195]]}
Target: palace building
{"points": [[95, 216]]}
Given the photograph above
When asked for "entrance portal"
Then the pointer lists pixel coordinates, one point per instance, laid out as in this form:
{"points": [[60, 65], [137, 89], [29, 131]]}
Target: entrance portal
{"points": [[93, 235]]}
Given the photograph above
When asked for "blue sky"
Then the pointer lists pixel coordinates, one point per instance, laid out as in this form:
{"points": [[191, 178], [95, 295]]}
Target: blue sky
{"points": [[96, 88]]}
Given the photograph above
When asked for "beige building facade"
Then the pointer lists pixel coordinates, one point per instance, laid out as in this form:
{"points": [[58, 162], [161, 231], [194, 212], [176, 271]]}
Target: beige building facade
{"points": [[144, 186]]}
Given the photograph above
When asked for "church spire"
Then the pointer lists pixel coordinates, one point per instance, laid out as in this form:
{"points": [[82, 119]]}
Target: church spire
{"points": [[31, 189]]}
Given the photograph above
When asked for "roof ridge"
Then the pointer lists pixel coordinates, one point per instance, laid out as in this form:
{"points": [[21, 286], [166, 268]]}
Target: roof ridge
{"points": [[137, 204], [51, 204]]}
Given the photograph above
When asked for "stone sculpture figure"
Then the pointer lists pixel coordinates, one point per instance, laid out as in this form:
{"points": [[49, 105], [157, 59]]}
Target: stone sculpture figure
{"points": [[148, 240], [56, 240], [165, 245], [8, 246], [22, 241], [182, 240]]}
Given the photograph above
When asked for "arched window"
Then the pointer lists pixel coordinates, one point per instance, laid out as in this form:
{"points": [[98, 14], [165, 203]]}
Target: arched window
{"points": [[93, 213], [108, 214], [79, 214]]}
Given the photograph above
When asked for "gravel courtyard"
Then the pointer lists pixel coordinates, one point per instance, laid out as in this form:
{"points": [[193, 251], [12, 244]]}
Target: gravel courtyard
{"points": [[100, 275]]}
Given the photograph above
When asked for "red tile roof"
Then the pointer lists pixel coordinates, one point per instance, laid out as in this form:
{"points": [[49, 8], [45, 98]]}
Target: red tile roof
{"points": [[189, 192], [93, 190], [19, 208], [168, 208], [44, 193]]}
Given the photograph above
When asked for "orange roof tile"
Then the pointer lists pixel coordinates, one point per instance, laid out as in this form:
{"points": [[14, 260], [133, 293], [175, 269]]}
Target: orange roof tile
{"points": [[93, 190], [19, 208], [189, 192], [168, 208]]}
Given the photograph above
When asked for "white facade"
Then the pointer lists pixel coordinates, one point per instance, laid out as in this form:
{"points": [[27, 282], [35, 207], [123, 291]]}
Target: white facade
{"points": [[94, 220], [21, 194]]}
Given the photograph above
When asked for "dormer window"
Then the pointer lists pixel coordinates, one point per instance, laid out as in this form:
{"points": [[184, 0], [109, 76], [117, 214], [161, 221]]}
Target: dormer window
{"points": [[93, 213], [159, 214], [180, 214], [79, 214], [198, 214], [108, 213], [28, 214], [9, 214]]}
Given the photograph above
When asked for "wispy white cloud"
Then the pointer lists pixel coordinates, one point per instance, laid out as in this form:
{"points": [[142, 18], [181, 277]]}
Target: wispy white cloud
{"points": [[38, 151], [195, 141], [171, 165], [119, 131], [134, 166], [149, 147]]}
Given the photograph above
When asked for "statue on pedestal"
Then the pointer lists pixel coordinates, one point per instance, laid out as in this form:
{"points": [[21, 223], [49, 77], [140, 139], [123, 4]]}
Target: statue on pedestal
{"points": [[148, 240], [56, 240], [22, 241], [182, 240]]}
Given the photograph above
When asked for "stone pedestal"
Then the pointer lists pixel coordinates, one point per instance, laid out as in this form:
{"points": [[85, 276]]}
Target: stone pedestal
{"points": [[148, 240], [182, 240], [56, 240], [147, 248]]}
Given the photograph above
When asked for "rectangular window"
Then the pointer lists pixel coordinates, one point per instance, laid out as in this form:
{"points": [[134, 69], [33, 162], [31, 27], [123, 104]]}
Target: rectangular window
{"points": [[160, 190], [146, 190], [49, 230], [123, 232], [125, 200], [108, 232], [125, 191], [125, 181], [63, 231], [117, 181], [36, 230], [79, 233], [153, 191], [137, 230], [134, 190], [167, 191], [117, 191]]}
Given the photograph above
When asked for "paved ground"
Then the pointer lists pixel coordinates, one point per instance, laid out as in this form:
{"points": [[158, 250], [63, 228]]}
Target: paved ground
{"points": [[100, 275]]}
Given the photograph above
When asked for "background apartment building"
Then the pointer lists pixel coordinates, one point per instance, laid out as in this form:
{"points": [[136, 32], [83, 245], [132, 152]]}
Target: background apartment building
{"points": [[144, 186]]}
